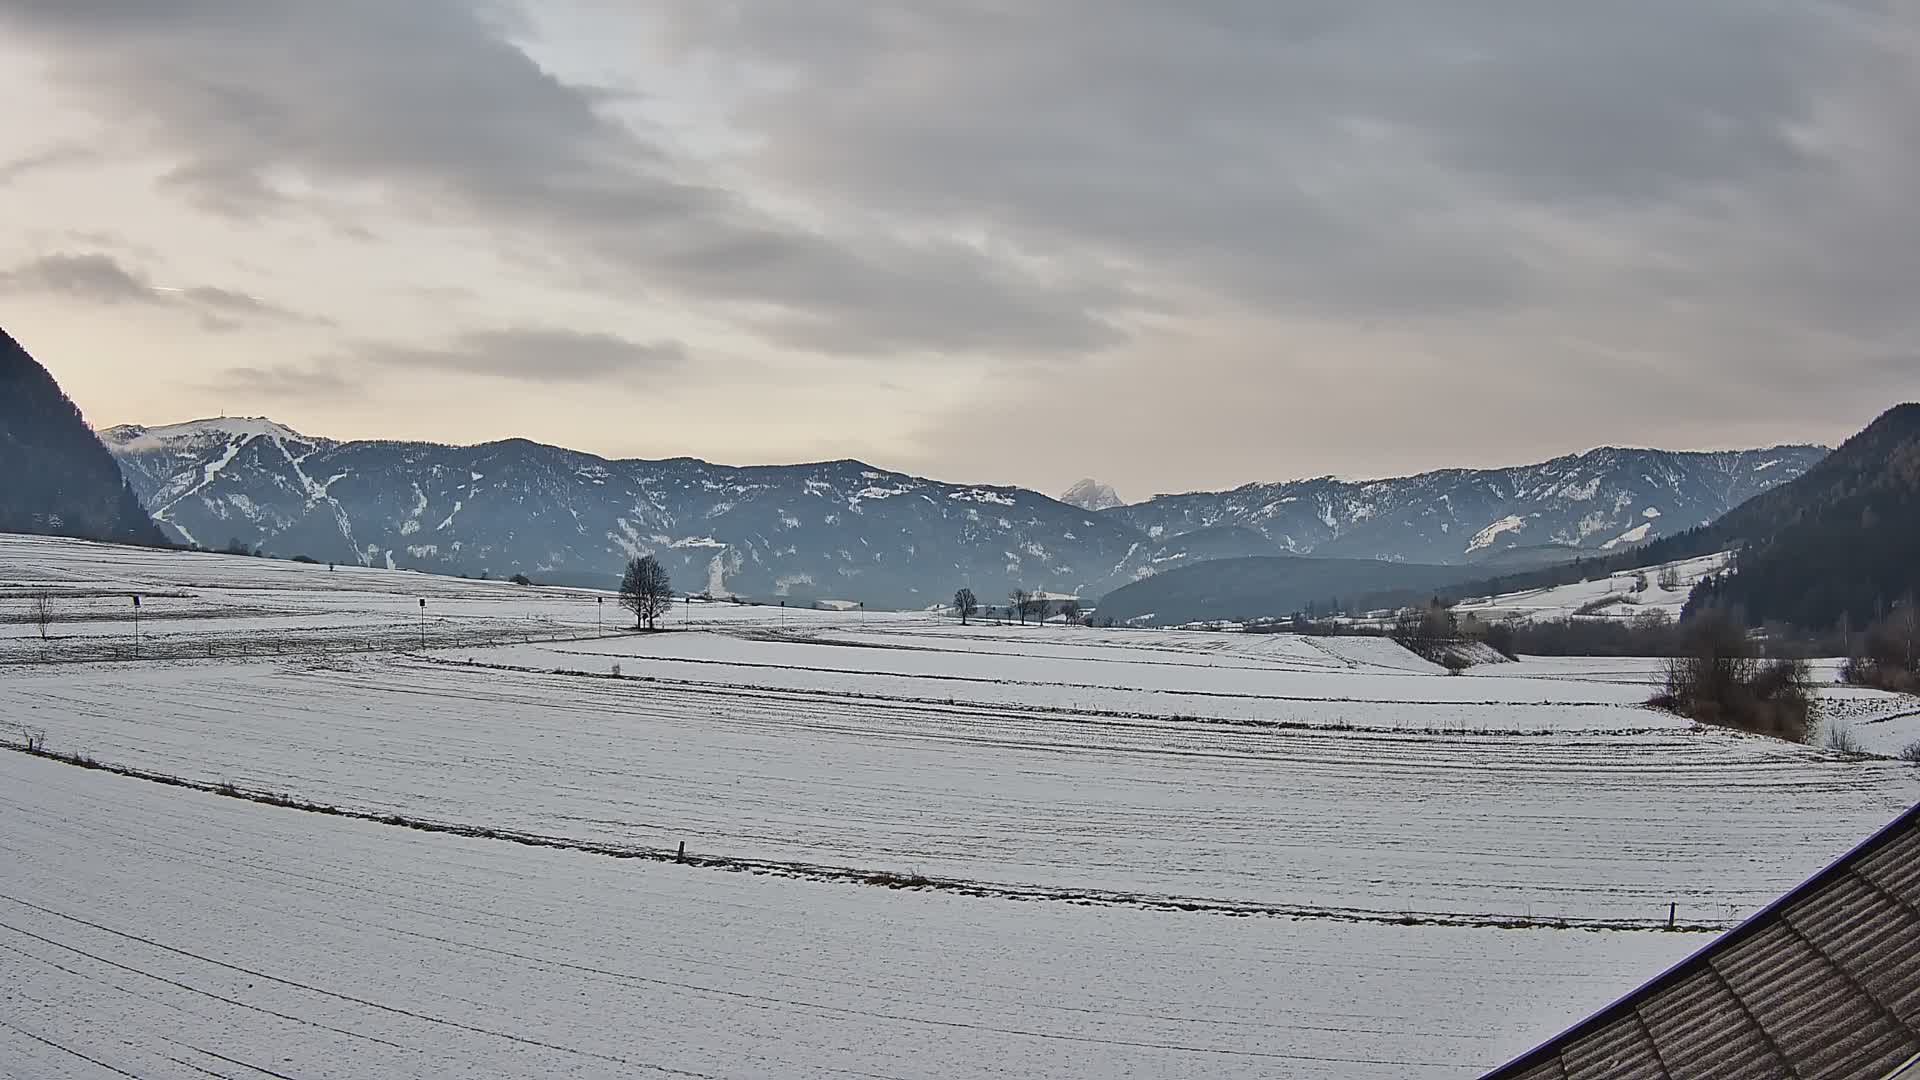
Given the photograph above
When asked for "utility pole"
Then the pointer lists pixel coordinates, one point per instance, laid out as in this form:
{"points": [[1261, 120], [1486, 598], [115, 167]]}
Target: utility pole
{"points": [[423, 624], [599, 616], [136, 626]]}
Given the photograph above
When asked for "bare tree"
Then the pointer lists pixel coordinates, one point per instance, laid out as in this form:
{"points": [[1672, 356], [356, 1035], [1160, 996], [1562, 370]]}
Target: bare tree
{"points": [[41, 612], [1669, 579], [966, 604], [646, 590], [1904, 623], [1070, 609], [1020, 602], [1426, 630], [1715, 659], [1036, 607]]}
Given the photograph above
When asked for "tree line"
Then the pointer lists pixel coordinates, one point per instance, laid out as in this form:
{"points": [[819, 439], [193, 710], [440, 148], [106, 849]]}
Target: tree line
{"points": [[1022, 604]]}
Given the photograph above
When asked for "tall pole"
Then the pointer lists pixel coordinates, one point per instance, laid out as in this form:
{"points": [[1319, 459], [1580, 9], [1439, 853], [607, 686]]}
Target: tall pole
{"points": [[599, 616], [136, 626], [423, 624]]}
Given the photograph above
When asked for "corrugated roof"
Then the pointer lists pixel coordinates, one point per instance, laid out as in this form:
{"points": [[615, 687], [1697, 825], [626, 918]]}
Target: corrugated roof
{"points": [[1824, 983]]}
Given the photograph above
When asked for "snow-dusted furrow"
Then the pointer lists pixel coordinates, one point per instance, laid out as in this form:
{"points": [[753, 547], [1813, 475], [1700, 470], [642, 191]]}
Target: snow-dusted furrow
{"points": [[1557, 826], [168, 934]]}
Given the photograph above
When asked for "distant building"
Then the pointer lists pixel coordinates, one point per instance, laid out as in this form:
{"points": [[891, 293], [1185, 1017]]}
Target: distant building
{"points": [[1824, 983], [1052, 604]]}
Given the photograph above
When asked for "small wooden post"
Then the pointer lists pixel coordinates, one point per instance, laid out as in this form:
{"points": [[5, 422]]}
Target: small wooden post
{"points": [[682, 857], [1671, 909]]}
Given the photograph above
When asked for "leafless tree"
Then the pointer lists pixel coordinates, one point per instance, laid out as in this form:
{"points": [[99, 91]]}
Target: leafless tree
{"points": [[966, 604], [41, 612], [646, 590], [1669, 579], [1020, 602], [1037, 604], [1070, 609]]}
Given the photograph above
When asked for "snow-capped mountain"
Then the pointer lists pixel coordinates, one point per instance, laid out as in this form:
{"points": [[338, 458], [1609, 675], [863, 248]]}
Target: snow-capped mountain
{"points": [[846, 530], [838, 529], [1091, 494], [1603, 499]]}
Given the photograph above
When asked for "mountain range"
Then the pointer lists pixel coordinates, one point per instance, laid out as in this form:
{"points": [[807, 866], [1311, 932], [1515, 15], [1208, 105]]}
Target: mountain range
{"points": [[1605, 499], [1830, 547], [847, 530]]}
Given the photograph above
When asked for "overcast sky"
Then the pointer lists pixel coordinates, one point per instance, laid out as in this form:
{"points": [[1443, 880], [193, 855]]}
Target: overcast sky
{"points": [[1169, 245]]}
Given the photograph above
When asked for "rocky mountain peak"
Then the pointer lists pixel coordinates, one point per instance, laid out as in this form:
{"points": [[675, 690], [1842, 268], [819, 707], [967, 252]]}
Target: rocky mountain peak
{"points": [[1090, 494]]}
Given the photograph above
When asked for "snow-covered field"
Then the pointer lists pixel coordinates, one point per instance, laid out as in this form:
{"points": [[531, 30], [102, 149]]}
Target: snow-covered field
{"points": [[163, 933], [1420, 861]]}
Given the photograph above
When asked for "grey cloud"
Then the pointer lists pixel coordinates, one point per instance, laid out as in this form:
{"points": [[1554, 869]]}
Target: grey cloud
{"points": [[1705, 196], [94, 277], [340, 93], [1385, 158], [53, 157], [534, 355], [101, 278], [1393, 209], [239, 307], [286, 382]]}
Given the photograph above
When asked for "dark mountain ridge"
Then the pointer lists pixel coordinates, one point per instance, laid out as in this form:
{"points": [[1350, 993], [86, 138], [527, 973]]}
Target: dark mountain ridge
{"points": [[56, 478], [1842, 541]]}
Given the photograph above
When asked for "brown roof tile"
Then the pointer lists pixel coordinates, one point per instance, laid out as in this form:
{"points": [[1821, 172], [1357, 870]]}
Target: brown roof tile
{"points": [[1825, 983]]}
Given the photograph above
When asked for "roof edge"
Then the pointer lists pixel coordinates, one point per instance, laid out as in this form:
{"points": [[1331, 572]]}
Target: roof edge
{"points": [[1752, 925]]}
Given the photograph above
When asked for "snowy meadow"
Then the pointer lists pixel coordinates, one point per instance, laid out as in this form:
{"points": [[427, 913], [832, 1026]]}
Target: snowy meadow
{"points": [[337, 832]]}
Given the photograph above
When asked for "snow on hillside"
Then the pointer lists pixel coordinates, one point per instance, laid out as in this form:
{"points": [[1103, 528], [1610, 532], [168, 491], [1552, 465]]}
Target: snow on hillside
{"points": [[135, 439], [1610, 597], [1602, 499], [846, 530]]}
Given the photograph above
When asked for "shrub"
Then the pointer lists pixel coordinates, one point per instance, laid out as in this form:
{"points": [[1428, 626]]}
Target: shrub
{"points": [[1911, 752], [1717, 679], [521, 579], [1865, 671], [1455, 663], [1425, 630], [1503, 638], [1888, 656], [310, 560], [1842, 739]]}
